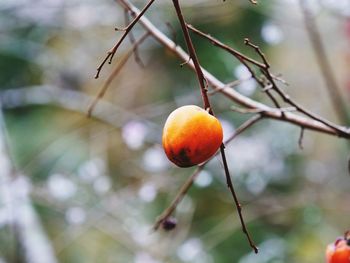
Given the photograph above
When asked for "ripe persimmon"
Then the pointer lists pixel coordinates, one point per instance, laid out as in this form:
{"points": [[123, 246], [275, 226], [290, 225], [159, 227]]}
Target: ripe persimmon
{"points": [[191, 136], [339, 251]]}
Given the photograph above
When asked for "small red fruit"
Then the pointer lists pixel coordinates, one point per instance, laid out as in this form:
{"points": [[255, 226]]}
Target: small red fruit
{"points": [[339, 251], [191, 136]]}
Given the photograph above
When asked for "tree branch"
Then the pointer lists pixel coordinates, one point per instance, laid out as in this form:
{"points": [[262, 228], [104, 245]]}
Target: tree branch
{"points": [[265, 68], [269, 112], [237, 203], [112, 52], [193, 57], [203, 83], [287, 98]]}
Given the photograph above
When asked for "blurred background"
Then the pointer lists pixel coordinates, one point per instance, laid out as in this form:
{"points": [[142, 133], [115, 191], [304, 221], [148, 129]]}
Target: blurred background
{"points": [[75, 189]]}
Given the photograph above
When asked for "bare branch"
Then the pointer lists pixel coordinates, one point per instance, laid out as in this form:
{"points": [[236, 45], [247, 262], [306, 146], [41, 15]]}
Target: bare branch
{"points": [[230, 50], [257, 50], [278, 78], [203, 85], [243, 59], [265, 69], [301, 137], [307, 123], [178, 198], [112, 52], [288, 99], [237, 203], [193, 57], [246, 111], [232, 84]]}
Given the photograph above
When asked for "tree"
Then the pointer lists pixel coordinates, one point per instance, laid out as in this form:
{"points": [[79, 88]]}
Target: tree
{"points": [[279, 186]]}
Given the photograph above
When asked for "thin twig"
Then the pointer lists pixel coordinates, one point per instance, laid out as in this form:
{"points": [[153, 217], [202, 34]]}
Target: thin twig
{"points": [[178, 198], [278, 78], [265, 69], [187, 185], [244, 111], [243, 59], [247, 124], [260, 82], [118, 68], [237, 203], [193, 56], [301, 137], [230, 50], [286, 97], [306, 122], [232, 84], [257, 49], [112, 52]]}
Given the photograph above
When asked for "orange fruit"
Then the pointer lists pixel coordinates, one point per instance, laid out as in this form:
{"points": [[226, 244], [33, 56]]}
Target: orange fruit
{"points": [[339, 251], [191, 136]]}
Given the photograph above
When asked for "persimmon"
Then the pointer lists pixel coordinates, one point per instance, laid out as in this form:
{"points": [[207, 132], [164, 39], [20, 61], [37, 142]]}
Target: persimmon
{"points": [[191, 136], [339, 251]]}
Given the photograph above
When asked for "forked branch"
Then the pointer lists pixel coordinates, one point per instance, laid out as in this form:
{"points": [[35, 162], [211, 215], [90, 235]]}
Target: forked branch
{"points": [[265, 69], [126, 30], [267, 81], [307, 123]]}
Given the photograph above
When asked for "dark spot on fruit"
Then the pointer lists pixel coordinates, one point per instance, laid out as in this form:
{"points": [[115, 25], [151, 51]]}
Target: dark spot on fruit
{"points": [[182, 158]]}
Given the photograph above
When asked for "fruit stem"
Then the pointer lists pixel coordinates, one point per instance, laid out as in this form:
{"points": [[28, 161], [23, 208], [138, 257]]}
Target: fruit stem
{"points": [[194, 58]]}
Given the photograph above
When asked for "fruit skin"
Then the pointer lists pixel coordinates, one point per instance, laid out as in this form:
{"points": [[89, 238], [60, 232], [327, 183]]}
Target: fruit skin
{"points": [[339, 251], [191, 136]]}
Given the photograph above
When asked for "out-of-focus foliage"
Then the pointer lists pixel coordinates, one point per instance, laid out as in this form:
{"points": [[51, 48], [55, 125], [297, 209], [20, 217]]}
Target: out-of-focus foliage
{"points": [[97, 186]]}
